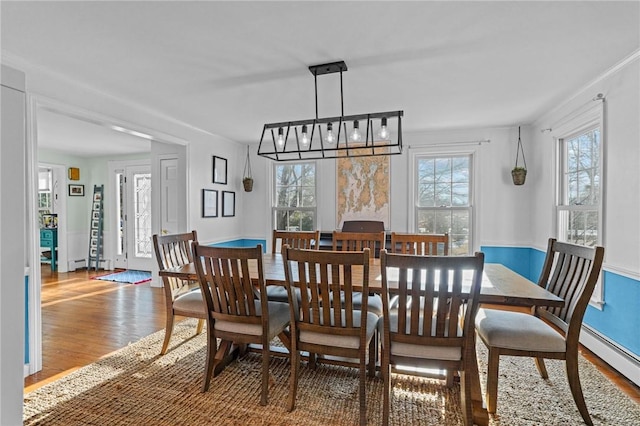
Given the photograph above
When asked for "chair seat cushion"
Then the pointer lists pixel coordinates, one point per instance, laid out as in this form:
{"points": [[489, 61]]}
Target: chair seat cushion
{"points": [[374, 303], [421, 350], [191, 302], [350, 342], [278, 320], [277, 293], [517, 330]]}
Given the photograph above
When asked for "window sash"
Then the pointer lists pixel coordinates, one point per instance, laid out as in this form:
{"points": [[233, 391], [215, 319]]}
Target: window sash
{"points": [[458, 182], [305, 193]]}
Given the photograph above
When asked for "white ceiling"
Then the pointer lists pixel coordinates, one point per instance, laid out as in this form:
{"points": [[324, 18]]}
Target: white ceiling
{"points": [[229, 67]]}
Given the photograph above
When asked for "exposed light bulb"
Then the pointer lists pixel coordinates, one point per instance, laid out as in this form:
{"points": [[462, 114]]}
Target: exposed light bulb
{"points": [[384, 130], [330, 138], [280, 139], [304, 140], [355, 134]]}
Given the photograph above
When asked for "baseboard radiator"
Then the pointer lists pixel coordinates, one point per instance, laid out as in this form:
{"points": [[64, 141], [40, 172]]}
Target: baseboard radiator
{"points": [[82, 263], [621, 359]]}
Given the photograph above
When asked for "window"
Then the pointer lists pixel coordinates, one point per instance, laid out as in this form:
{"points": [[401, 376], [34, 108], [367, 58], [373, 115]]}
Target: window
{"points": [[443, 202], [294, 204], [580, 183], [580, 180], [45, 193]]}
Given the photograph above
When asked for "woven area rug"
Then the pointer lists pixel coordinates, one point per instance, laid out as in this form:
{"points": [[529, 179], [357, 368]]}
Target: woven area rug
{"points": [[129, 276], [136, 386]]}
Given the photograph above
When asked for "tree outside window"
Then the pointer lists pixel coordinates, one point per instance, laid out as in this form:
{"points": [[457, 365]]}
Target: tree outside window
{"points": [[295, 196], [443, 199]]}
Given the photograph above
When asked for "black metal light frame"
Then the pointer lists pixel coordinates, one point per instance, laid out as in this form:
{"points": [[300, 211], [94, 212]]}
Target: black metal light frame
{"points": [[318, 148]]}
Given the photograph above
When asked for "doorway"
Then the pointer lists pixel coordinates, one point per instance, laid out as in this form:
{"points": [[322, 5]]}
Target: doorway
{"points": [[133, 227]]}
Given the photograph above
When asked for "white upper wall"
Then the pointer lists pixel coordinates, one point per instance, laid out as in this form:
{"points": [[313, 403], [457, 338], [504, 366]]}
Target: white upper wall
{"points": [[621, 88], [502, 212]]}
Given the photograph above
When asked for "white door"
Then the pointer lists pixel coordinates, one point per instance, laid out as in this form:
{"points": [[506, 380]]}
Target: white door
{"points": [[138, 223], [169, 196], [134, 247]]}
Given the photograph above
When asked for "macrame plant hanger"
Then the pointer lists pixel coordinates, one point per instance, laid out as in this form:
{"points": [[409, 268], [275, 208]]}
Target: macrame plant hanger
{"points": [[247, 180], [519, 173]]}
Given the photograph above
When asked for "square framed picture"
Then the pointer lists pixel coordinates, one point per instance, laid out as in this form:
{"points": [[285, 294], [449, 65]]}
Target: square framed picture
{"points": [[219, 170], [228, 203], [76, 190], [209, 203]]}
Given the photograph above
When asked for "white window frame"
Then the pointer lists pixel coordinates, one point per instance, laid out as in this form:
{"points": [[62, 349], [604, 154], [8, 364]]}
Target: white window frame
{"points": [[442, 152], [580, 121], [275, 209]]}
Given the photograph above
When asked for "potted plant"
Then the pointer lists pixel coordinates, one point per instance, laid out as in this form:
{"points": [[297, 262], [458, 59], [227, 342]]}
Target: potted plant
{"points": [[519, 173], [247, 180]]}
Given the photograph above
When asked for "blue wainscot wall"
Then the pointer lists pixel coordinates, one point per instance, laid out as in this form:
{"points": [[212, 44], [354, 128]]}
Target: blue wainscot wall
{"points": [[243, 242], [618, 320]]}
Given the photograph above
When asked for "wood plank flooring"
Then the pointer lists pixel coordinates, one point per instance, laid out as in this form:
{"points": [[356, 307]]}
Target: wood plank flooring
{"points": [[85, 319]]}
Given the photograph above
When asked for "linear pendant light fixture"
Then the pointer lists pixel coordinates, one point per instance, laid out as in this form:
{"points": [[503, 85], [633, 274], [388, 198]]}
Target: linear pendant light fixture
{"points": [[361, 135]]}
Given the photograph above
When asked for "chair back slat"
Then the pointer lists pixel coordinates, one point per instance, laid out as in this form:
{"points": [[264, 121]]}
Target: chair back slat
{"points": [[433, 292], [420, 244], [322, 278], [309, 240], [571, 272], [358, 241], [226, 282], [171, 251]]}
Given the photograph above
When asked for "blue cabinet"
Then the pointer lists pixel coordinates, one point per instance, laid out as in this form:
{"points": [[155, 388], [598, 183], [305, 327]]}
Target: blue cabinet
{"points": [[49, 239]]}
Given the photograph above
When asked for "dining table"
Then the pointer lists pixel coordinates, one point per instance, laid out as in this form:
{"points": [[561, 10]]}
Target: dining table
{"points": [[500, 286]]}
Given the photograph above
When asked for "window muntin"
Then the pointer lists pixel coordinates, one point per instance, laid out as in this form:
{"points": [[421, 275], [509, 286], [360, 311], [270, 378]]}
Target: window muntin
{"points": [[294, 204], [443, 199]]}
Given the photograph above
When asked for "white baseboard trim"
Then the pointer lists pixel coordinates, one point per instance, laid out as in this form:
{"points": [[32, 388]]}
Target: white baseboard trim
{"points": [[625, 362]]}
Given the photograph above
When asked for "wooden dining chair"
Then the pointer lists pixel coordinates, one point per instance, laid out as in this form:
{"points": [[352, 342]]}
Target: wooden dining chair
{"points": [[432, 323], [420, 244], [295, 239], [570, 271], [320, 324], [358, 241], [237, 308], [182, 297]]}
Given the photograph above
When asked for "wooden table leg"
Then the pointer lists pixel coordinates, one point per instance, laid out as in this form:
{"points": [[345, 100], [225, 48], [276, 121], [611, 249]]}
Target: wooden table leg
{"points": [[480, 414], [227, 352]]}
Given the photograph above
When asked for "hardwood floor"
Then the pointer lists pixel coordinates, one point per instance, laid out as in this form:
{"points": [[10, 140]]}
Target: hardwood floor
{"points": [[84, 319]]}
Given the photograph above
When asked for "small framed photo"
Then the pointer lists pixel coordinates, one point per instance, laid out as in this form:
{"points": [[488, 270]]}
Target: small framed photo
{"points": [[94, 233], [95, 215], [209, 203], [97, 196], [95, 224], [76, 190], [219, 170], [96, 205], [228, 203]]}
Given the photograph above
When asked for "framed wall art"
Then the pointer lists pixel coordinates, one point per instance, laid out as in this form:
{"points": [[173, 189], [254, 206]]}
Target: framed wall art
{"points": [[209, 203], [219, 170], [76, 190], [228, 203]]}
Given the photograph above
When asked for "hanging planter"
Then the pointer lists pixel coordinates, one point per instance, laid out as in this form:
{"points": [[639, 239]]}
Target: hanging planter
{"points": [[247, 180], [519, 173]]}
